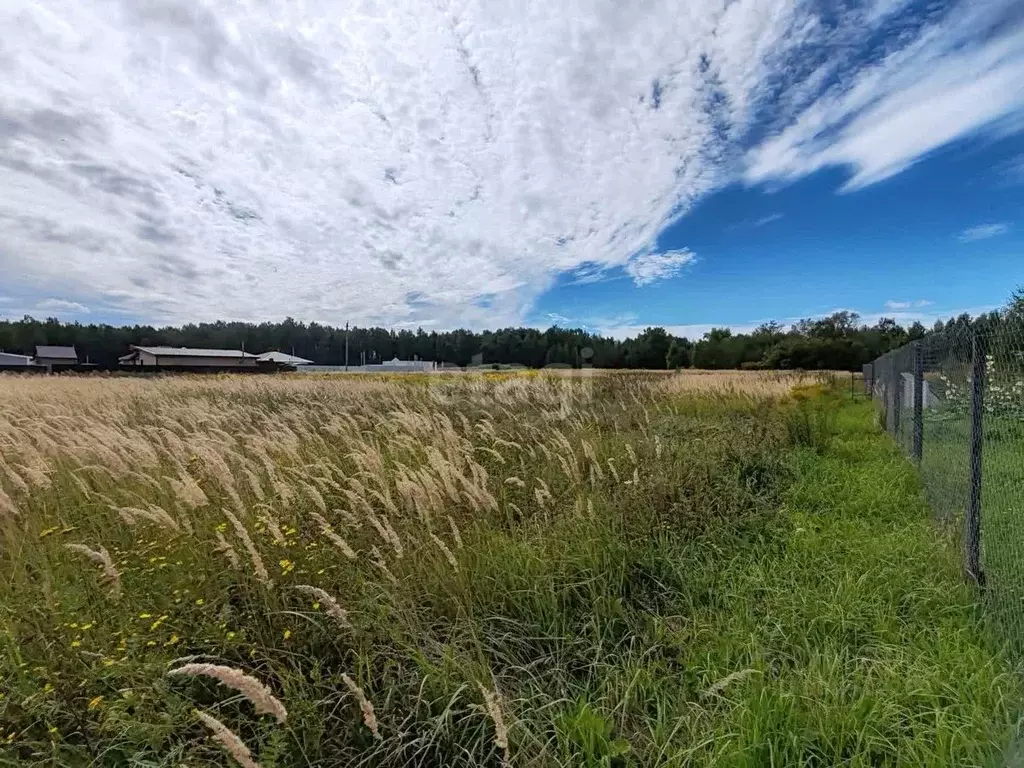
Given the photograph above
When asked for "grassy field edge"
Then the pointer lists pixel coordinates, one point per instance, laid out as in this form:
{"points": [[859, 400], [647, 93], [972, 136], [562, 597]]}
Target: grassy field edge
{"points": [[628, 571], [873, 650]]}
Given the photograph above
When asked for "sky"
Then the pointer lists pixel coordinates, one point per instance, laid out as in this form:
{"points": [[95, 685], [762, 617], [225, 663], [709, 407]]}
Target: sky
{"points": [[485, 163]]}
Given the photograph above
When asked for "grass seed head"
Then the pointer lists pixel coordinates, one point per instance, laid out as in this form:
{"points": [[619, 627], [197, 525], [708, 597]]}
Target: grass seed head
{"points": [[252, 689], [101, 557], [333, 609], [369, 716], [448, 555], [228, 739], [228, 551], [492, 701]]}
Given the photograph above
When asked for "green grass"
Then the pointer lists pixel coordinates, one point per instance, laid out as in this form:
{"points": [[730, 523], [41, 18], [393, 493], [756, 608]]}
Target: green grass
{"points": [[877, 653], [946, 478], [771, 591]]}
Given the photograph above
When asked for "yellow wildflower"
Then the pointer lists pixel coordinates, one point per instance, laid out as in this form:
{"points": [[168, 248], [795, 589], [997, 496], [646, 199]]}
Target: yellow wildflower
{"points": [[95, 702], [287, 634]]}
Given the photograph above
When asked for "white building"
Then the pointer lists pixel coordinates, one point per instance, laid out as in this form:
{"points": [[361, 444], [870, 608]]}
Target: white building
{"points": [[189, 358], [12, 362], [282, 358], [395, 365]]}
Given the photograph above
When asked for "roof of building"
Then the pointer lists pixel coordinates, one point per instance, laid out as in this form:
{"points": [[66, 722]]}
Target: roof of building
{"points": [[10, 358], [56, 353], [193, 352], [283, 358]]}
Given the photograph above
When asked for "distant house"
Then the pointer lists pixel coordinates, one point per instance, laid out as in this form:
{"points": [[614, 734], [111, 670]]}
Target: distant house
{"points": [[395, 365], [282, 358], [52, 357], [12, 362], [188, 359]]}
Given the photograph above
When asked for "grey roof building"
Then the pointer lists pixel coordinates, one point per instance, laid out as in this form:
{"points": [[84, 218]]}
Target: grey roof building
{"points": [[54, 356], [188, 358]]}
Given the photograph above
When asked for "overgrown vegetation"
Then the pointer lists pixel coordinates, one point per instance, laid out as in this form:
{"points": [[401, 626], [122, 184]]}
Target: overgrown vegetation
{"points": [[620, 570]]}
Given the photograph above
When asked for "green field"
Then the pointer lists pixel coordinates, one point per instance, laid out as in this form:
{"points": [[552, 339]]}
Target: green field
{"points": [[624, 571]]}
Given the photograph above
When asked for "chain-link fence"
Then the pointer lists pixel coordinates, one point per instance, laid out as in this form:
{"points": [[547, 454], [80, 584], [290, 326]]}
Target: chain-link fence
{"points": [[954, 401]]}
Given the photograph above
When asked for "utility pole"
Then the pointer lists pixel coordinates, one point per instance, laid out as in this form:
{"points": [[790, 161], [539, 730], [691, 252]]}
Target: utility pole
{"points": [[346, 347]]}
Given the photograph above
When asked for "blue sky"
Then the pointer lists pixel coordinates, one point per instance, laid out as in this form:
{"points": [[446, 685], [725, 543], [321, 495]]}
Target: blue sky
{"points": [[942, 237], [686, 163]]}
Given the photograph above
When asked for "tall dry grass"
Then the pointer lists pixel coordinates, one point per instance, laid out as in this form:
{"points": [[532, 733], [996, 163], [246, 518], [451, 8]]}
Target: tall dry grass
{"points": [[747, 383], [556, 536]]}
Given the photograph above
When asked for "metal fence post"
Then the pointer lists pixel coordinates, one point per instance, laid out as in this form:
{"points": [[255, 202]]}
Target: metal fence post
{"points": [[972, 518], [918, 400], [886, 393], [897, 400]]}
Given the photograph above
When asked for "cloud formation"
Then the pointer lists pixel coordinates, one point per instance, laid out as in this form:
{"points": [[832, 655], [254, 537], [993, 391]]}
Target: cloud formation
{"points": [[900, 306], [61, 306], [958, 76], [646, 268], [983, 232], [403, 162]]}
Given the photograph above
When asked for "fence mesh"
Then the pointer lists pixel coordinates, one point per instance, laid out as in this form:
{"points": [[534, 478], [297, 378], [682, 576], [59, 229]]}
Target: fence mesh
{"points": [[954, 402]]}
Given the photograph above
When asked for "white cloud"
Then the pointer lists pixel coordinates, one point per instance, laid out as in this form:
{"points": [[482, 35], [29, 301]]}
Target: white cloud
{"points": [[1014, 171], [767, 219], [755, 223], [899, 306], [983, 232], [411, 163], [61, 306], [955, 79], [646, 268]]}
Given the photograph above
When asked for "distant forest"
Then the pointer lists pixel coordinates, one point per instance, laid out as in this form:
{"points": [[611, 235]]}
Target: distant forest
{"points": [[836, 342]]}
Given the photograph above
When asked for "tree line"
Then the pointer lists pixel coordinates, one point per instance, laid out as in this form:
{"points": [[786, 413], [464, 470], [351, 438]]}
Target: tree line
{"points": [[837, 342]]}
